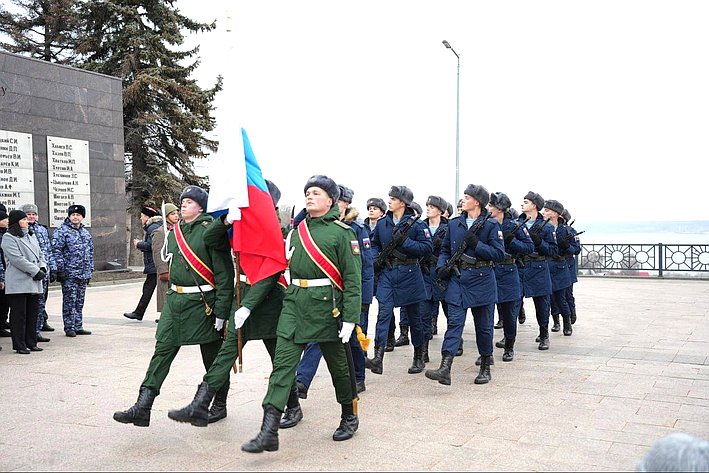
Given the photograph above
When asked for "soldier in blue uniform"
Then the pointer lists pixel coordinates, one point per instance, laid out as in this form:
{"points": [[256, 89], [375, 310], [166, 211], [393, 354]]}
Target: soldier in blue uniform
{"points": [[558, 267], [73, 253], [308, 365], [400, 282], [509, 286], [574, 250], [536, 281], [438, 227], [376, 208], [471, 283]]}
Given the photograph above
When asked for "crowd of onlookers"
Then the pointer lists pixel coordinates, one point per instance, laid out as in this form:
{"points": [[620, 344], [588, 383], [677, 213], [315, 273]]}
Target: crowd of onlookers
{"points": [[29, 260]]}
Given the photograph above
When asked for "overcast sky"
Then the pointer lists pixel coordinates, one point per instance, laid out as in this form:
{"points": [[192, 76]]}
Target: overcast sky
{"points": [[602, 105]]}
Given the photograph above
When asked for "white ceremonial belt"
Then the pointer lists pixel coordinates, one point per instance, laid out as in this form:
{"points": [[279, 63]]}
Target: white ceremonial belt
{"points": [[191, 289], [311, 282]]}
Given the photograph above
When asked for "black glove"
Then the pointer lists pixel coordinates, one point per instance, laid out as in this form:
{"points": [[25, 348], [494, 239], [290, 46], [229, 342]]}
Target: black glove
{"points": [[563, 244], [52, 276], [472, 240], [378, 266], [536, 239], [61, 276], [508, 238], [40, 275], [444, 272]]}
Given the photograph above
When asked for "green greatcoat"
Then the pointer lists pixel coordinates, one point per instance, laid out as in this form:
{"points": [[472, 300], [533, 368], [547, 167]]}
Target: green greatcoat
{"points": [[307, 314], [183, 320]]}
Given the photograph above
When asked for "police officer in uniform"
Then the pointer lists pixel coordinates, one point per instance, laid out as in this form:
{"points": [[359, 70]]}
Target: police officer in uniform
{"points": [[574, 250], [536, 280], [311, 356], [196, 306], [257, 316], [558, 267], [322, 304], [475, 288], [509, 287], [400, 282]]}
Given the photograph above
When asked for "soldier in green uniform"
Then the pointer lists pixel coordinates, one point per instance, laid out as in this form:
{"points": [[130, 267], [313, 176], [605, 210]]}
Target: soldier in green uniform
{"points": [[199, 296], [257, 315], [326, 284]]}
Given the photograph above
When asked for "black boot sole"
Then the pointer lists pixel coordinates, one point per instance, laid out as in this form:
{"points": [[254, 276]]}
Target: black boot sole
{"points": [[212, 419], [444, 381], [136, 422], [196, 422]]}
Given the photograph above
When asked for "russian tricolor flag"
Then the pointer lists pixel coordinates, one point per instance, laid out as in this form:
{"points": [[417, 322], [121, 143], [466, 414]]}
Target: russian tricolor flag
{"points": [[239, 188]]}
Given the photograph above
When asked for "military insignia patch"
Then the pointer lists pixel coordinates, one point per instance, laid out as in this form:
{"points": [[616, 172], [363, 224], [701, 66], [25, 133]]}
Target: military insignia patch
{"points": [[367, 243], [355, 247], [427, 232], [499, 235]]}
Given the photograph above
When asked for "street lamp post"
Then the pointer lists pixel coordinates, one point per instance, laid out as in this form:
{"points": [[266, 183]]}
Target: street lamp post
{"points": [[457, 123]]}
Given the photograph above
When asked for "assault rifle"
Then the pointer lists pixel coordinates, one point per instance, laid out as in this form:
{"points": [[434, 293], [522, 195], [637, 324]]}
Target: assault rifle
{"points": [[451, 265], [519, 225], [398, 237], [430, 261]]}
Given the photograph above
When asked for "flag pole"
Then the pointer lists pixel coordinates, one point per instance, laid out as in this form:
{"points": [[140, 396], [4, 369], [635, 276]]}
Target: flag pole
{"points": [[239, 333]]}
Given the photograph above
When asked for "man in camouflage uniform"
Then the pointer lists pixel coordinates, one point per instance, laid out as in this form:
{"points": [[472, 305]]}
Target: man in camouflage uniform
{"points": [[193, 309], [73, 254], [311, 309]]}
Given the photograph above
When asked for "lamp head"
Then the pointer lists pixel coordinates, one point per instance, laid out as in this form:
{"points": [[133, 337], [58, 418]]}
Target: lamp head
{"points": [[446, 44]]}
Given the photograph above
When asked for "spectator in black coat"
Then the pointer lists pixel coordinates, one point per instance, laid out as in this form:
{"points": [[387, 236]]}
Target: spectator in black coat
{"points": [[152, 221]]}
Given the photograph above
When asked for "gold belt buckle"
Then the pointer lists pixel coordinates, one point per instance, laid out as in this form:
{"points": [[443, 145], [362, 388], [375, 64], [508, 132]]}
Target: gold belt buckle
{"points": [[178, 289], [303, 283]]}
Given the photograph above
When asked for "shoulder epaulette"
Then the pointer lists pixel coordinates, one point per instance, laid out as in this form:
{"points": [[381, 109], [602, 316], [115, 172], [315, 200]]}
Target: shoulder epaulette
{"points": [[205, 224], [342, 224]]}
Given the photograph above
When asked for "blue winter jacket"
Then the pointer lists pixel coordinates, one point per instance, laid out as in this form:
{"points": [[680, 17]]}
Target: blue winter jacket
{"points": [[509, 284], [73, 250], [536, 280]]}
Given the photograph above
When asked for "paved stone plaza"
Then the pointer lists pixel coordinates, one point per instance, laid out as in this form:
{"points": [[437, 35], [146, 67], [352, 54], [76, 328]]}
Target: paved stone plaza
{"points": [[635, 369]]}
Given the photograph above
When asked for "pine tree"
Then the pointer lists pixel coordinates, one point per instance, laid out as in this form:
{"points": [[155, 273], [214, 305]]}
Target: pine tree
{"points": [[42, 29], [165, 112]]}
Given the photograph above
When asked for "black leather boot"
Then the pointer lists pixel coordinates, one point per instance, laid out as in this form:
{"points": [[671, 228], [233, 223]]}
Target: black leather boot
{"points": [[499, 322], [391, 343], [573, 315], [139, 414], [424, 349], [556, 327], [501, 343], [294, 413], [218, 409], [403, 336], [418, 365], [479, 361], [543, 338], [484, 375], [267, 438], [443, 373], [521, 317], [348, 426], [133, 315], [568, 330], [460, 349], [197, 412], [434, 325], [509, 353], [376, 364]]}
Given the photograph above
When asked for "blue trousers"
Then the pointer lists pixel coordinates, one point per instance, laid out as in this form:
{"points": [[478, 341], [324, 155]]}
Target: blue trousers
{"points": [[541, 307], [41, 303], [508, 312], [310, 360], [570, 299], [385, 316], [73, 294], [559, 304], [484, 319], [428, 308]]}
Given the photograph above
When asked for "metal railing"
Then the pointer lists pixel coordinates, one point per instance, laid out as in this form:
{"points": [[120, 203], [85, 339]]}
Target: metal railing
{"points": [[631, 258]]}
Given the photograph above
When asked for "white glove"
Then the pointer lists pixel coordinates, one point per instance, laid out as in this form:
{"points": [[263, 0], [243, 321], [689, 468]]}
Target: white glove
{"points": [[234, 214], [240, 316], [346, 331], [218, 324]]}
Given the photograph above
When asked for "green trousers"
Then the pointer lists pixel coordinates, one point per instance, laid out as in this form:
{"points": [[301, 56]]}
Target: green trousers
{"points": [[162, 359], [218, 373], [288, 355]]}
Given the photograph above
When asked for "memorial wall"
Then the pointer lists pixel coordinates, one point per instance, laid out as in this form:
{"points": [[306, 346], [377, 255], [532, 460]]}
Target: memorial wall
{"points": [[61, 142]]}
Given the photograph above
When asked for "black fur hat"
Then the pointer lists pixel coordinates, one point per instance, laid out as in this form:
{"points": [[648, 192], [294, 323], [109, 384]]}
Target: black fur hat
{"points": [[566, 215], [197, 194], [437, 202], [449, 208], [500, 201], [149, 211], [377, 202], [3, 214], [417, 208], [512, 213], [554, 205], [478, 193], [346, 194], [16, 216], [76, 209], [326, 184], [402, 193], [536, 199], [274, 191]]}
